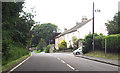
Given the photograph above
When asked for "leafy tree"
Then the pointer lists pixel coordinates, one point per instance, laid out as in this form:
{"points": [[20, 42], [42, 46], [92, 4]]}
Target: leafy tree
{"points": [[44, 31], [41, 45], [112, 26], [15, 30]]}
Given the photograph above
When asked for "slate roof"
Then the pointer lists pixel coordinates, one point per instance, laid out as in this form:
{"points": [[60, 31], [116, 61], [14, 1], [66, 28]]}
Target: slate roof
{"points": [[75, 28]]}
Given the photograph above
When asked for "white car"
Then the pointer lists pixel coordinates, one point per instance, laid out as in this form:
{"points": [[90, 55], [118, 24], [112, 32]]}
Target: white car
{"points": [[78, 51]]}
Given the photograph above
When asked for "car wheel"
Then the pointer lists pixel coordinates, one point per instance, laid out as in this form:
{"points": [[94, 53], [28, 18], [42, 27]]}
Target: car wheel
{"points": [[77, 53]]}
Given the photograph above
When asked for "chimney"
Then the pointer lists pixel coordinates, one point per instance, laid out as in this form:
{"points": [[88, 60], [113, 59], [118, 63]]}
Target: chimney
{"points": [[65, 29], [84, 18]]}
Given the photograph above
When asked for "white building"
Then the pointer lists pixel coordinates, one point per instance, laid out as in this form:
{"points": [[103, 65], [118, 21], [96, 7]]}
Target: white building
{"points": [[79, 31]]}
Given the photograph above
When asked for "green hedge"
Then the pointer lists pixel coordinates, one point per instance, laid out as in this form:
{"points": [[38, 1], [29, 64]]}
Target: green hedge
{"points": [[112, 43]]}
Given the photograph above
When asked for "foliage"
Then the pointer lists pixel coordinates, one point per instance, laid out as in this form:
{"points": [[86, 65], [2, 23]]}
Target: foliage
{"points": [[98, 42], [15, 31], [37, 51], [87, 42], [112, 43], [41, 45], [70, 47], [112, 26], [63, 45], [44, 31], [12, 63], [75, 43], [46, 50]]}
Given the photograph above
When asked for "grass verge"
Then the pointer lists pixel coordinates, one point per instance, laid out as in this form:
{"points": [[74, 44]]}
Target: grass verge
{"points": [[37, 51], [13, 63], [101, 54]]}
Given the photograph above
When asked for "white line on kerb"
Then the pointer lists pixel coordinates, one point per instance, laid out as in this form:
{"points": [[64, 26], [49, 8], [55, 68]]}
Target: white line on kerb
{"points": [[62, 61], [19, 64], [70, 67]]}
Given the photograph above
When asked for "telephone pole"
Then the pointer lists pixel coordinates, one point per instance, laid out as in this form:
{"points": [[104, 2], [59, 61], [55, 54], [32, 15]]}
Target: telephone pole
{"points": [[93, 27]]}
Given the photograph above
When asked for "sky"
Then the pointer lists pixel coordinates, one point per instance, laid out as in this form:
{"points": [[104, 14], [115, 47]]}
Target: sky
{"points": [[65, 13]]}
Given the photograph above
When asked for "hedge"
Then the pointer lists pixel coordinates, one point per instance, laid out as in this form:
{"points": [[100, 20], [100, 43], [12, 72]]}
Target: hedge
{"points": [[112, 43]]}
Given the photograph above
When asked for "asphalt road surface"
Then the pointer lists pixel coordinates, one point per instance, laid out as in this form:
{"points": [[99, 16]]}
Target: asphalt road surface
{"points": [[62, 62]]}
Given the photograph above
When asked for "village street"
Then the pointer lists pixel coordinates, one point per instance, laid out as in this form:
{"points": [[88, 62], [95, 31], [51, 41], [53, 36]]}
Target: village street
{"points": [[62, 62]]}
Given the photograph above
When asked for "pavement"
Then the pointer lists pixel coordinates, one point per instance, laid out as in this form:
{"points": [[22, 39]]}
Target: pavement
{"points": [[107, 61]]}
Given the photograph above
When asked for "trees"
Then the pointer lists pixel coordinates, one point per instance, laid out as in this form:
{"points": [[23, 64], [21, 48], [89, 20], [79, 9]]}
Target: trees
{"points": [[15, 30], [113, 26], [44, 31], [42, 44]]}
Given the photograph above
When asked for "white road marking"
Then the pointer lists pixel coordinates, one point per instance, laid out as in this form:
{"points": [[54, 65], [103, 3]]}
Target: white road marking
{"points": [[19, 64], [70, 67], [58, 58], [62, 61]]}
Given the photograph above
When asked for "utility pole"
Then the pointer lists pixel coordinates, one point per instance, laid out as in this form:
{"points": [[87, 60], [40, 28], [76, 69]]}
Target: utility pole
{"points": [[93, 27]]}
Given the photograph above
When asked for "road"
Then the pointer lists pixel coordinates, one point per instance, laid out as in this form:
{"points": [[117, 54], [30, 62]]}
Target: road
{"points": [[62, 62]]}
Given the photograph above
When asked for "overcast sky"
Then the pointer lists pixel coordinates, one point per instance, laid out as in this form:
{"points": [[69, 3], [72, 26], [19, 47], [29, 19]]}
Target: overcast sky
{"points": [[65, 13]]}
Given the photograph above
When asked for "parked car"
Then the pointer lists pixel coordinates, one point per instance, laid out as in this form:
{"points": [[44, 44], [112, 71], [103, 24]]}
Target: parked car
{"points": [[78, 51]]}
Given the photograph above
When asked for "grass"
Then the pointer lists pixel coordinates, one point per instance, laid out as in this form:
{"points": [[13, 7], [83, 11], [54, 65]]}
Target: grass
{"points": [[101, 54], [12, 63], [37, 51]]}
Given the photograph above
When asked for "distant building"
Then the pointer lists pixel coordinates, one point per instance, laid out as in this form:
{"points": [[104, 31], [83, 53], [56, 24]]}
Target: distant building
{"points": [[79, 31]]}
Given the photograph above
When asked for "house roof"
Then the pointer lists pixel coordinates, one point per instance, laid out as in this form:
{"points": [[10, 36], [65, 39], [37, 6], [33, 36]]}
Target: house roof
{"points": [[75, 28]]}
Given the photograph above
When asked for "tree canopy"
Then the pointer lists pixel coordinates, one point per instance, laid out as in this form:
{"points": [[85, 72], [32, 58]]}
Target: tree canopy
{"points": [[15, 30], [113, 26], [44, 31]]}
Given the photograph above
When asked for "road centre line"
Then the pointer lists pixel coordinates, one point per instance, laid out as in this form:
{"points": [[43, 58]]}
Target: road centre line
{"points": [[19, 64], [58, 58], [62, 61], [70, 67]]}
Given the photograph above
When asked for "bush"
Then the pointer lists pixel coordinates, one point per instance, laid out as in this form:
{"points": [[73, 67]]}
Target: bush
{"points": [[70, 47], [62, 45], [87, 43], [46, 50]]}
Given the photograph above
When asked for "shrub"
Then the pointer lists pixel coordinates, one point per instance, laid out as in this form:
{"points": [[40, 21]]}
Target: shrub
{"points": [[70, 47], [87, 43], [62, 45], [46, 50], [75, 43]]}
